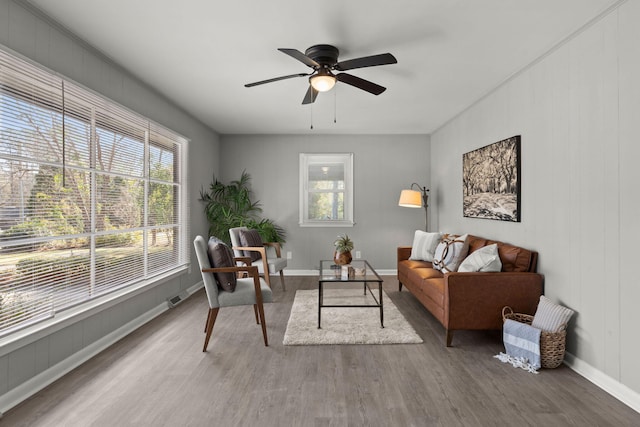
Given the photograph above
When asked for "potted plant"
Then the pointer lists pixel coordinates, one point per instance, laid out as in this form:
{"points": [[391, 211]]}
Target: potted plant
{"points": [[229, 205], [343, 247]]}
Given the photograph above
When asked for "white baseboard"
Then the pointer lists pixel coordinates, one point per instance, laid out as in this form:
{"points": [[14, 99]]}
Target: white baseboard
{"points": [[289, 272], [35, 384], [615, 388]]}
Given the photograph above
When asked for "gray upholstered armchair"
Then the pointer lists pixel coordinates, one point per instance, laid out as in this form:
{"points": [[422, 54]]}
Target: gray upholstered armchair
{"points": [[248, 243], [251, 290]]}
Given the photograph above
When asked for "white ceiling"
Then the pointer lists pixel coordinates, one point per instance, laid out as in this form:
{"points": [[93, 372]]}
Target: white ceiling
{"points": [[200, 53]]}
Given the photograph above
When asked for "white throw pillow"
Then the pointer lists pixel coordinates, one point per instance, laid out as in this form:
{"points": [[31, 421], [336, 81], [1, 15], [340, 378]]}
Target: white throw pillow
{"points": [[550, 317], [424, 245], [450, 252], [484, 259]]}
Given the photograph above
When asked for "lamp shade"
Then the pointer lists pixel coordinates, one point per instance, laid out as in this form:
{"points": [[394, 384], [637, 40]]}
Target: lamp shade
{"points": [[410, 199], [322, 82]]}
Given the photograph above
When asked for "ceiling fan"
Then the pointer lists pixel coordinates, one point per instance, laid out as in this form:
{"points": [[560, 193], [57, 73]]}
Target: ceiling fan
{"points": [[323, 58]]}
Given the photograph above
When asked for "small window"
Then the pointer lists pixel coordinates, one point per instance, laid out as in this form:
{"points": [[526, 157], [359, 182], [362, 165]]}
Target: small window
{"points": [[326, 190]]}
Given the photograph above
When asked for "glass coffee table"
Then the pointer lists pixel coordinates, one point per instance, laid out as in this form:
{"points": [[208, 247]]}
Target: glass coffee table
{"points": [[359, 271]]}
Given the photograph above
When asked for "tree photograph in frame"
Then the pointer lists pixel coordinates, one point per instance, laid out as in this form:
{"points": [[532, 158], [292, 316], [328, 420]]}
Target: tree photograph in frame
{"points": [[491, 181]]}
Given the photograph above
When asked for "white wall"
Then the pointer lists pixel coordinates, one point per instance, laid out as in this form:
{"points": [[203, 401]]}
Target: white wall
{"points": [[383, 166], [577, 110], [28, 33]]}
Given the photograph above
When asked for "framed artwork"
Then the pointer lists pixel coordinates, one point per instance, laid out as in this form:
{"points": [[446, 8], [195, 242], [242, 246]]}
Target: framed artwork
{"points": [[491, 181]]}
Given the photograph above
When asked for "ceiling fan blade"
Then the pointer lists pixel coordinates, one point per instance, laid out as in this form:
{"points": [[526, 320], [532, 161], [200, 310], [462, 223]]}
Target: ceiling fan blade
{"points": [[275, 79], [360, 83], [366, 61], [310, 96], [295, 53]]}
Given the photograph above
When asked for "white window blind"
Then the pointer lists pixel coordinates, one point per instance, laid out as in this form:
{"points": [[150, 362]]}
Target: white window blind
{"points": [[91, 196]]}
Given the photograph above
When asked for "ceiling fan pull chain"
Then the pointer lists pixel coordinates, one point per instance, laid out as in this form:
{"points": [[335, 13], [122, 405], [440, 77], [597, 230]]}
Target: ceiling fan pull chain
{"points": [[335, 104], [311, 110]]}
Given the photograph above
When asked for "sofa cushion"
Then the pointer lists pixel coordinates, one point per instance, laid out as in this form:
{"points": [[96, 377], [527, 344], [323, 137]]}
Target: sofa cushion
{"points": [[434, 289], [424, 245], [476, 243], [513, 258], [485, 259], [220, 255], [450, 253], [550, 317], [419, 274], [429, 282], [251, 238], [410, 264]]}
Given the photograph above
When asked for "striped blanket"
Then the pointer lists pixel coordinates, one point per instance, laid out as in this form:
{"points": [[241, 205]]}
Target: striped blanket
{"points": [[522, 345]]}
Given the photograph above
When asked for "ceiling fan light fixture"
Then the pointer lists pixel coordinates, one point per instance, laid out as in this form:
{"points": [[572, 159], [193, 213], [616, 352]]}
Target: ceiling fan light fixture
{"points": [[323, 59], [324, 81]]}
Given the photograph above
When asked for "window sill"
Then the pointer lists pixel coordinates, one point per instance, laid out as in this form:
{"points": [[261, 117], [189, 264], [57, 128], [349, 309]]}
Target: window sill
{"points": [[73, 315], [327, 224]]}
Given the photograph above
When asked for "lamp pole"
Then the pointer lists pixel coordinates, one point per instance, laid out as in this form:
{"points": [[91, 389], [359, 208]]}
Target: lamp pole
{"points": [[411, 199], [425, 198]]}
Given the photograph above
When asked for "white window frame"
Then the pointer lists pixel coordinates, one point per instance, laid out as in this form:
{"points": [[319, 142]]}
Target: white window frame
{"points": [[16, 71], [306, 161]]}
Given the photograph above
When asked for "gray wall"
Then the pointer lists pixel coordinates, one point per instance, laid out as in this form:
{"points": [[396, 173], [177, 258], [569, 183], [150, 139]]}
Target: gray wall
{"points": [[383, 166], [33, 36], [577, 110]]}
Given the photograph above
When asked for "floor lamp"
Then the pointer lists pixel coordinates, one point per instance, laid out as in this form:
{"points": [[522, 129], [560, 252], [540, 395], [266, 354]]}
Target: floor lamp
{"points": [[415, 199]]}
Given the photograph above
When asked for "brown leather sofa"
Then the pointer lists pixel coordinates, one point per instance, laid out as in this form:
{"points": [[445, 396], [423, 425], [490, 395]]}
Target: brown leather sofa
{"points": [[474, 301]]}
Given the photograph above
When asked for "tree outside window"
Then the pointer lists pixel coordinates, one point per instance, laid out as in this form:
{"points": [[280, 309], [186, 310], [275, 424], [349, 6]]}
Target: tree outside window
{"points": [[90, 197], [326, 190]]}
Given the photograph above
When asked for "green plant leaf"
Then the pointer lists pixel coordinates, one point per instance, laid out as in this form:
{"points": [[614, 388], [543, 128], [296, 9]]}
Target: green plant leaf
{"points": [[229, 206]]}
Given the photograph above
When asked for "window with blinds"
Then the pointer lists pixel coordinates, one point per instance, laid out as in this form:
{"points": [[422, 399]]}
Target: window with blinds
{"points": [[91, 196]]}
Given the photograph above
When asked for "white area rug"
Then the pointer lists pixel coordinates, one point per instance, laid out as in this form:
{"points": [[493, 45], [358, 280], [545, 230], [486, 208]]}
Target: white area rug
{"points": [[346, 325]]}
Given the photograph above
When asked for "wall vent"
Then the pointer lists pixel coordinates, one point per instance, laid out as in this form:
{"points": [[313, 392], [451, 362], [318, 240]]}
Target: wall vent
{"points": [[172, 302]]}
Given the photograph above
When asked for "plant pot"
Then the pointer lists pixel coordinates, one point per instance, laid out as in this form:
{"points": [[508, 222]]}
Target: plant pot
{"points": [[342, 258]]}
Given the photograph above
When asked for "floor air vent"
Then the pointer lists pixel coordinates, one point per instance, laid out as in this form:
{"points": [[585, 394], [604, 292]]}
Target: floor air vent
{"points": [[176, 300]]}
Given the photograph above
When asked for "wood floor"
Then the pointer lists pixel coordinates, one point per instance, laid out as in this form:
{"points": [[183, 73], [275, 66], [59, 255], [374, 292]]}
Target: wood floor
{"points": [[159, 376]]}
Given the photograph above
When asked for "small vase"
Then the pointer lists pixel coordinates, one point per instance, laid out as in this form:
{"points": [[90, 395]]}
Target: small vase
{"points": [[342, 258]]}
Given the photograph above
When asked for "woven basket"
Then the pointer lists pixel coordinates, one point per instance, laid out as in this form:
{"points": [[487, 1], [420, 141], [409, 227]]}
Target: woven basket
{"points": [[552, 344]]}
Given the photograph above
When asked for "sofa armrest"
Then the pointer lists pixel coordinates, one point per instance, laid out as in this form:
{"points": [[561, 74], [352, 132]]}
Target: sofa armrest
{"points": [[404, 252], [475, 300]]}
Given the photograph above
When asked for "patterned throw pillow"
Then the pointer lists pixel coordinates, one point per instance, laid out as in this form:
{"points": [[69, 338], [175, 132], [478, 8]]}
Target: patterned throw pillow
{"points": [[424, 245], [221, 255], [484, 259], [450, 252], [251, 238], [551, 317]]}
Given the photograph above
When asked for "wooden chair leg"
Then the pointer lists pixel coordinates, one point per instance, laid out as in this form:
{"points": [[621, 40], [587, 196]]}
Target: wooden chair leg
{"points": [[449, 337], [263, 324], [282, 280], [206, 323], [267, 278], [255, 311], [211, 320]]}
